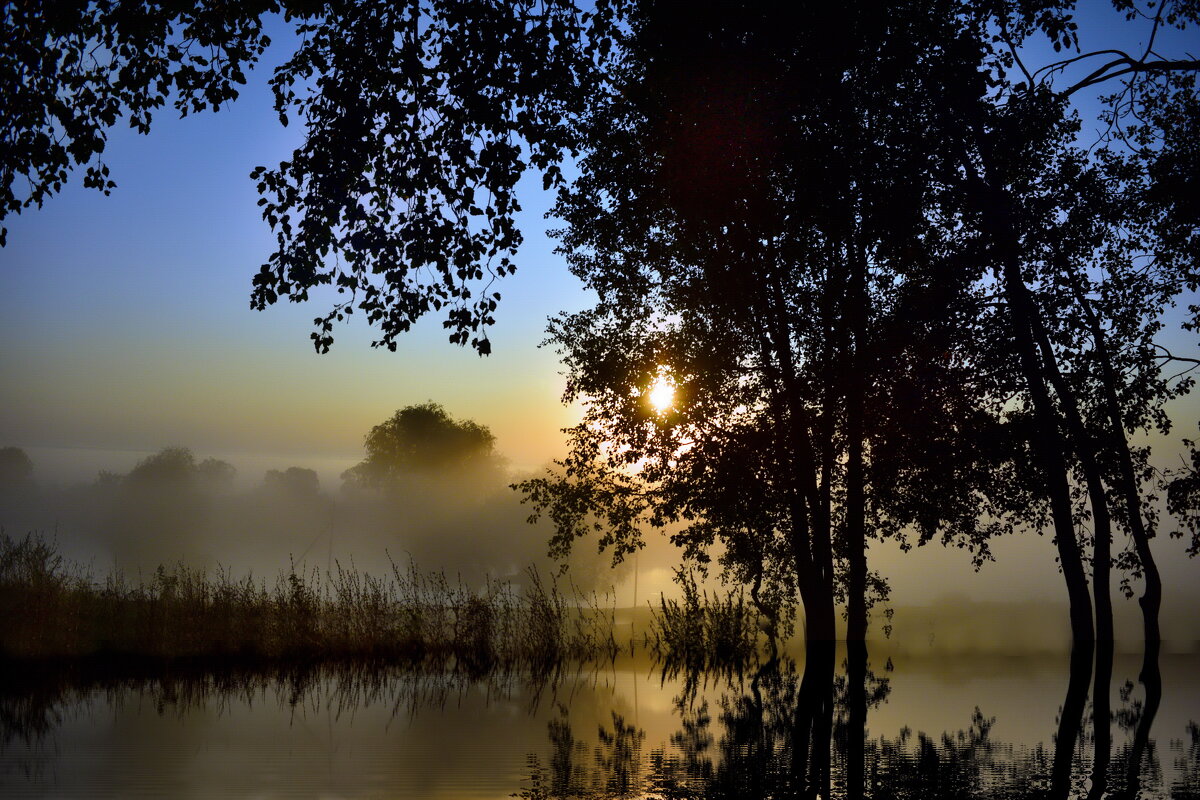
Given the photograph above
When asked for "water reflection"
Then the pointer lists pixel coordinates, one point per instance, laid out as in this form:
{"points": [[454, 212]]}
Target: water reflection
{"points": [[803, 733], [826, 723]]}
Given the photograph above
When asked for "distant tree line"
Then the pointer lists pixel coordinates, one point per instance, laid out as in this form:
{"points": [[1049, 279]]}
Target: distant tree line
{"points": [[431, 491]]}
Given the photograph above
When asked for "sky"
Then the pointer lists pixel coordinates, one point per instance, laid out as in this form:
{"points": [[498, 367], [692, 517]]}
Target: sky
{"points": [[125, 327], [126, 320]]}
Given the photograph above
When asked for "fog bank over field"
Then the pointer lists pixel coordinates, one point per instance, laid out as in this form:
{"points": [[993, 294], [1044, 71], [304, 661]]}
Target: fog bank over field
{"points": [[176, 506], [256, 514]]}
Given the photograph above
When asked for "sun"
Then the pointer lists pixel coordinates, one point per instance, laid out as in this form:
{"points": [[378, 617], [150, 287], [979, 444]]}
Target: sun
{"points": [[662, 394]]}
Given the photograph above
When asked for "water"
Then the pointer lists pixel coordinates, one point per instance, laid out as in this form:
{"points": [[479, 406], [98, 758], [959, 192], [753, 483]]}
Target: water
{"points": [[935, 726]]}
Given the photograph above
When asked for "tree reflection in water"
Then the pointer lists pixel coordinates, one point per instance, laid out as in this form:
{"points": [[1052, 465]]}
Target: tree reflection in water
{"points": [[781, 729], [802, 733]]}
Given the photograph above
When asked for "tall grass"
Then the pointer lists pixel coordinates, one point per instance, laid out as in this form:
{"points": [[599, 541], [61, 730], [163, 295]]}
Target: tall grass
{"points": [[53, 609], [702, 631]]}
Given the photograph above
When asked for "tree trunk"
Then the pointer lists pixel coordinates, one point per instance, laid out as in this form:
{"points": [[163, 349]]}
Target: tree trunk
{"points": [[811, 544], [807, 536], [856, 729], [817, 685], [1101, 720], [1070, 721], [1151, 599], [856, 534], [1047, 443], [1049, 447], [1086, 450], [1151, 679]]}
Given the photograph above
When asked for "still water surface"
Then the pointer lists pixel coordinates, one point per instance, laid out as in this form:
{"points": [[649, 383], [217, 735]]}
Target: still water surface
{"points": [[932, 726]]}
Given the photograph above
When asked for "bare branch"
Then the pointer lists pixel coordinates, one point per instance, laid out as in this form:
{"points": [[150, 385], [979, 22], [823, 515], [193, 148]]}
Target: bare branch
{"points": [[1059, 66], [1169, 356], [1154, 31], [1101, 75], [1016, 56]]}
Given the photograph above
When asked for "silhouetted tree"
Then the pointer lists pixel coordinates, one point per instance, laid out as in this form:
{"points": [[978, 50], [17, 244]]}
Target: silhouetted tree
{"points": [[70, 71], [780, 252], [158, 512], [420, 118], [169, 467], [423, 440], [1005, 130], [16, 469], [296, 481], [216, 475], [822, 233]]}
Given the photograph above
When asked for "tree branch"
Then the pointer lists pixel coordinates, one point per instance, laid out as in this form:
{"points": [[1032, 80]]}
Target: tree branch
{"points": [[1059, 66], [1100, 76], [1169, 356]]}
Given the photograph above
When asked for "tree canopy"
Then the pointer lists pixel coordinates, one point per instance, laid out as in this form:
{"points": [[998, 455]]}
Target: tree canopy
{"points": [[893, 293], [422, 440], [16, 468], [420, 117]]}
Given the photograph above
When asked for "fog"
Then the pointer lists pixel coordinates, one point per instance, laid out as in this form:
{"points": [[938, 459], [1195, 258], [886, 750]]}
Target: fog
{"points": [[260, 514], [178, 506]]}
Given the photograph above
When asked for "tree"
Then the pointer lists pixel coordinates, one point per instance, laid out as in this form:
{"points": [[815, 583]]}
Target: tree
{"points": [[168, 468], [160, 510], [16, 469], [295, 481], [791, 320], [996, 135], [674, 224], [420, 118], [70, 71], [423, 440], [818, 233]]}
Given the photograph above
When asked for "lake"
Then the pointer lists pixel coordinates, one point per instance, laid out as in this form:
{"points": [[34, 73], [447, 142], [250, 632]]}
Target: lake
{"points": [[926, 725]]}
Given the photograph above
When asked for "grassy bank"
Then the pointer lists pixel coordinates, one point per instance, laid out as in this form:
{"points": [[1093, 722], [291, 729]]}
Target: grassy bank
{"points": [[56, 610]]}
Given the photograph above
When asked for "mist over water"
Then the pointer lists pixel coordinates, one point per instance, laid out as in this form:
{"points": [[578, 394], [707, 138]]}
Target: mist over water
{"points": [[967, 697]]}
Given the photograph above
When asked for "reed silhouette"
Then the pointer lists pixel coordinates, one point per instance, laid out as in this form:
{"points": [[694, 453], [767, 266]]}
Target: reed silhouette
{"points": [[56, 611]]}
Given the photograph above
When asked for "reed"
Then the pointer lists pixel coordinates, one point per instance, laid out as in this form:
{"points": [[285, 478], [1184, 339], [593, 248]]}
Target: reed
{"points": [[58, 610], [702, 631]]}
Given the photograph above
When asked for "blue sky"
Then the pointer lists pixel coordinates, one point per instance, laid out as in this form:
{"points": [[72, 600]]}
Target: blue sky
{"points": [[125, 320]]}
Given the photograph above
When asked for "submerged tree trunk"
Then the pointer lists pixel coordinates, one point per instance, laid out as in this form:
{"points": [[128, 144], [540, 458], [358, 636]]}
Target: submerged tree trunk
{"points": [[807, 529], [1151, 679], [810, 524], [1087, 452], [995, 207], [1070, 721], [856, 706], [1101, 720], [817, 692], [1047, 443]]}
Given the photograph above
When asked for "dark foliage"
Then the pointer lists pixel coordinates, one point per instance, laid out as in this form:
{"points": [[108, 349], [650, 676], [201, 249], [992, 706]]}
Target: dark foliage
{"points": [[422, 440]]}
